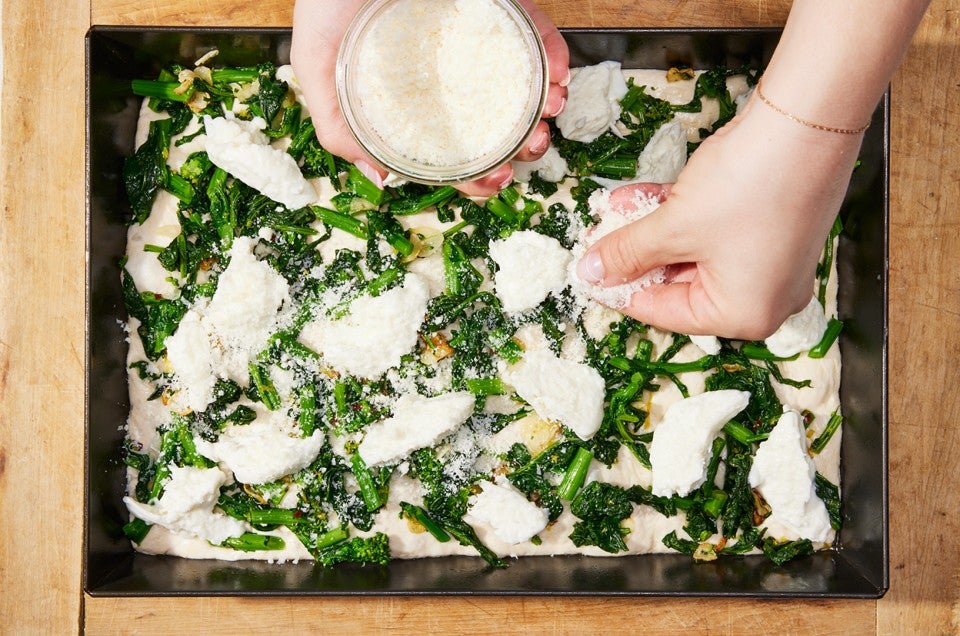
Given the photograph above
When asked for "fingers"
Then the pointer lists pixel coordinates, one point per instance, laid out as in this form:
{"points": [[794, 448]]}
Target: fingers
{"points": [[537, 144], [558, 55], [313, 55], [625, 198], [489, 184], [555, 101]]}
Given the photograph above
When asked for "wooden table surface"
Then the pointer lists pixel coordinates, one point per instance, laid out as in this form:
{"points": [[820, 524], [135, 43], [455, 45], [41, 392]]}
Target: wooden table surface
{"points": [[42, 263]]}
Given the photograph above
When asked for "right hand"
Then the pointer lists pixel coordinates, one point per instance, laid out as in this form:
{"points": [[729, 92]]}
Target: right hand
{"points": [[740, 233], [318, 29]]}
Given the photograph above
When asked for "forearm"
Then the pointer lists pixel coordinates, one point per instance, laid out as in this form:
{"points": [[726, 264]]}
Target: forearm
{"points": [[836, 57]]}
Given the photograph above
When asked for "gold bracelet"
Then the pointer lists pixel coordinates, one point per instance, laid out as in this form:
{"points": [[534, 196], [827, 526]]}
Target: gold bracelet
{"points": [[809, 124]]}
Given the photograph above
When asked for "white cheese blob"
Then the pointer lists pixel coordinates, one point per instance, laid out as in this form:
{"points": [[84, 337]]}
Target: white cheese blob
{"points": [[512, 517], [799, 332], [681, 442], [186, 505], [262, 451], [241, 149], [220, 338], [784, 474], [417, 422], [664, 156], [376, 332], [249, 294], [550, 167], [531, 266], [189, 353], [710, 345], [561, 390], [593, 102]]}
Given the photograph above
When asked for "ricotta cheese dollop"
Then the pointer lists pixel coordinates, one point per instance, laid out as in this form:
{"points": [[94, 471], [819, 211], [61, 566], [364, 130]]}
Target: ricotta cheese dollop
{"points": [[186, 505], [531, 266], [417, 422], [240, 148], [593, 102], [681, 441], [564, 391], [375, 334], [799, 332], [784, 474], [509, 514], [264, 450]]}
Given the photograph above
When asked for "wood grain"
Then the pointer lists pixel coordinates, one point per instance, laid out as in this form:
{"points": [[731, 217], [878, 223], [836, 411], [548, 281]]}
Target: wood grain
{"points": [[41, 355], [925, 333], [41, 315]]}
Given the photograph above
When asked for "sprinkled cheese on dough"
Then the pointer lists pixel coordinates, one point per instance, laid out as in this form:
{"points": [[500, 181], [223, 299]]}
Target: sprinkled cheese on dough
{"points": [[560, 390], [426, 72], [376, 332], [186, 505], [531, 267], [512, 517], [784, 474], [242, 150], [263, 450], [220, 338], [417, 422], [681, 441]]}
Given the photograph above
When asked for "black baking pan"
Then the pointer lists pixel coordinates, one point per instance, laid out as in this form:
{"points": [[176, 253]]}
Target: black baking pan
{"points": [[857, 566]]}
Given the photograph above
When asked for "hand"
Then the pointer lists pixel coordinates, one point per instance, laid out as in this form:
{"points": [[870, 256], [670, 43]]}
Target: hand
{"points": [[318, 28], [740, 233]]}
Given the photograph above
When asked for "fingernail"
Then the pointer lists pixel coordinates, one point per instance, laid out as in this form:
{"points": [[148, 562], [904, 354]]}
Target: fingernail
{"points": [[558, 109], [590, 267], [506, 182], [566, 78], [370, 173], [540, 143]]}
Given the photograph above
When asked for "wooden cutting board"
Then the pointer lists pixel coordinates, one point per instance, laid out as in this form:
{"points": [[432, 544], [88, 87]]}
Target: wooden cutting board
{"points": [[42, 277]]}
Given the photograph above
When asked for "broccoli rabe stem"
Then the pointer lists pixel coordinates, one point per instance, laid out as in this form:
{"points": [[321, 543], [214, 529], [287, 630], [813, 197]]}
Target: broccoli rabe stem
{"points": [[575, 474], [756, 351], [830, 335], [419, 515], [833, 424], [742, 434], [340, 221], [162, 90], [251, 542], [261, 380], [413, 205], [231, 75], [368, 489]]}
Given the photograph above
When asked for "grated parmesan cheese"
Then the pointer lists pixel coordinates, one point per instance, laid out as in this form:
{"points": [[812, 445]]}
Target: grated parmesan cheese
{"points": [[615, 296], [376, 333], [426, 71]]}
